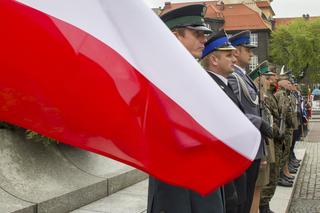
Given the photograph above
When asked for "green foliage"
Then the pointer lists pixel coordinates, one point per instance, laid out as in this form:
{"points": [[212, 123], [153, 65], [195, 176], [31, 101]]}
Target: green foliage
{"points": [[36, 137], [297, 46], [30, 135]]}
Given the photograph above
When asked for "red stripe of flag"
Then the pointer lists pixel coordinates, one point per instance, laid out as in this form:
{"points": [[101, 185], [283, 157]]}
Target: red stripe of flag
{"points": [[63, 83]]}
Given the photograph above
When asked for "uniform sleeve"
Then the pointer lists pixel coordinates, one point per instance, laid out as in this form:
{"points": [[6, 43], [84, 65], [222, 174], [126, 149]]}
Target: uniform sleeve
{"points": [[276, 129], [234, 84], [290, 115], [255, 120], [273, 108], [280, 98]]}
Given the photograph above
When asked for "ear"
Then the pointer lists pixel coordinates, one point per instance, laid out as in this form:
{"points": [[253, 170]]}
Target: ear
{"points": [[176, 34], [214, 60], [236, 52]]}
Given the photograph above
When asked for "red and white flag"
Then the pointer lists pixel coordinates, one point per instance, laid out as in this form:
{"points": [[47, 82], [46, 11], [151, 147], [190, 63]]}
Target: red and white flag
{"points": [[109, 77]]}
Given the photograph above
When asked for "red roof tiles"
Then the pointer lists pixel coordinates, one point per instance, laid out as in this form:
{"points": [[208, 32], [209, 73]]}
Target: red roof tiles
{"points": [[236, 16], [263, 4], [241, 17]]}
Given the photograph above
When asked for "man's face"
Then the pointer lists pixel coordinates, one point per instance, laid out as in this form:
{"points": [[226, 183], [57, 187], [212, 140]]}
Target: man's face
{"points": [[243, 55], [265, 81], [225, 62], [273, 79], [193, 40], [285, 84], [292, 87]]}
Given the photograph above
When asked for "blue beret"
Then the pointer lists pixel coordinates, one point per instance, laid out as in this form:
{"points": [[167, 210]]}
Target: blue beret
{"points": [[242, 38], [216, 42]]}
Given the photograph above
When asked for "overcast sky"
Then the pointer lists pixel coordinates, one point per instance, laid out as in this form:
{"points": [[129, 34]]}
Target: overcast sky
{"points": [[282, 8]]}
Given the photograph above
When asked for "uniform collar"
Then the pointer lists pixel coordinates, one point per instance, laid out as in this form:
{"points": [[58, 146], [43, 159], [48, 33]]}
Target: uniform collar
{"points": [[241, 69], [222, 78]]}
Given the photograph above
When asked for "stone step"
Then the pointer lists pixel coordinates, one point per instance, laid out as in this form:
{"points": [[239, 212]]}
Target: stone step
{"points": [[134, 199], [315, 116], [56, 178], [130, 200], [9, 203], [316, 112]]}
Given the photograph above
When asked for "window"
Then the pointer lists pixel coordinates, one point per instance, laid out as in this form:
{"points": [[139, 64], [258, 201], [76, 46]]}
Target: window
{"points": [[253, 62], [254, 39]]}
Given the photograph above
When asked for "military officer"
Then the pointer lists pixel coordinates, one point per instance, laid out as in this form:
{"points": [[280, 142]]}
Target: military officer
{"points": [[247, 94], [293, 167], [284, 103], [278, 139], [187, 24], [261, 75], [297, 132], [294, 119], [218, 60]]}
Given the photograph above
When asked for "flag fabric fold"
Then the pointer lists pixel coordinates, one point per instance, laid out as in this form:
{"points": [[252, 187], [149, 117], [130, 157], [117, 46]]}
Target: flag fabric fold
{"points": [[109, 77]]}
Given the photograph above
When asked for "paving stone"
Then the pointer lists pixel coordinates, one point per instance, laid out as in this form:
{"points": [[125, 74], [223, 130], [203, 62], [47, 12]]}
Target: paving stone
{"points": [[307, 194], [305, 206], [281, 200]]}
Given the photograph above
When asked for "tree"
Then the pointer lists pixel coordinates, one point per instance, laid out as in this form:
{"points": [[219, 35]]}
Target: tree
{"points": [[297, 46]]}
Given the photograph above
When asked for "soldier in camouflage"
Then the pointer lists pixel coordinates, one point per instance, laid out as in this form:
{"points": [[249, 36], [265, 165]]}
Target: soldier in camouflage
{"points": [[275, 144], [293, 167], [297, 133], [260, 77], [286, 111]]}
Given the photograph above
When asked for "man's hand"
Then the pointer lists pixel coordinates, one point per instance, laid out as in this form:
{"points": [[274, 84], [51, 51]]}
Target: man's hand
{"points": [[263, 164], [266, 129]]}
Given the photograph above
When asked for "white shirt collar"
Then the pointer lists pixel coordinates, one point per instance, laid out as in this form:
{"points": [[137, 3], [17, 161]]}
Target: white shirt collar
{"points": [[222, 78], [240, 68]]}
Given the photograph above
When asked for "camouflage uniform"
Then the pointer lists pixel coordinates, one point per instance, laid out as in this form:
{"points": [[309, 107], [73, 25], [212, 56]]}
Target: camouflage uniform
{"points": [[294, 106], [297, 133], [263, 176], [285, 107], [291, 123], [278, 140]]}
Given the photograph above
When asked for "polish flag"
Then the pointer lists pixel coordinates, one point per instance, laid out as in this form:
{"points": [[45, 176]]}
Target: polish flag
{"points": [[109, 77]]}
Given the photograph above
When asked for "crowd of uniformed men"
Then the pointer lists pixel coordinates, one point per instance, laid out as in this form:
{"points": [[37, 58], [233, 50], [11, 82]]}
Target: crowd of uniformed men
{"points": [[270, 100]]}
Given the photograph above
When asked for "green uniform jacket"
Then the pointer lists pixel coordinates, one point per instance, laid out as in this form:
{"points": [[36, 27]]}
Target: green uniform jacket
{"points": [[284, 105], [272, 104]]}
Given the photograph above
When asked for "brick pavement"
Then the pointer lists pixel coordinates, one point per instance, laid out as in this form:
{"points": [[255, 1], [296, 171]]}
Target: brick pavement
{"points": [[306, 197]]}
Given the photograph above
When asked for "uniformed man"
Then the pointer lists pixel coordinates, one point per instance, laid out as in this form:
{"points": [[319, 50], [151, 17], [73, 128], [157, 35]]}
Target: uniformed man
{"points": [[294, 119], [294, 97], [187, 24], [284, 103], [297, 134], [278, 139], [218, 61], [247, 94], [260, 76]]}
